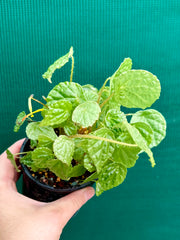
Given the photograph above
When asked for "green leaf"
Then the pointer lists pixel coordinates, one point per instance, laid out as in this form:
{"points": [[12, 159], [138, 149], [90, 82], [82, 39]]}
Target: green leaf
{"points": [[41, 156], [92, 178], [124, 154], [57, 113], [139, 140], [100, 151], [114, 118], [10, 156], [145, 130], [88, 163], [77, 171], [33, 130], [125, 66], [57, 65], [90, 93], [64, 149], [19, 121], [33, 143], [27, 159], [70, 128], [60, 169], [45, 141], [73, 92], [136, 89], [86, 113], [155, 120], [112, 175]]}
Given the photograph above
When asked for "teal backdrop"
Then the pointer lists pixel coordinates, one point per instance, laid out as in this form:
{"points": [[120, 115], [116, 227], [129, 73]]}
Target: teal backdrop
{"points": [[103, 32]]}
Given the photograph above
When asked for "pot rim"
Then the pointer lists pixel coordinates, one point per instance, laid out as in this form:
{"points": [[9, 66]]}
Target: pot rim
{"points": [[47, 187]]}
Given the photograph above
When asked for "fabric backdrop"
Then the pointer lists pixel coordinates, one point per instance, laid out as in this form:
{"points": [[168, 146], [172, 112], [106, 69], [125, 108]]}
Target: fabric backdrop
{"points": [[103, 32]]}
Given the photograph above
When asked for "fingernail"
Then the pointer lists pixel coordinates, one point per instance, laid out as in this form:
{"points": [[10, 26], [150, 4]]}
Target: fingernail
{"points": [[89, 193]]}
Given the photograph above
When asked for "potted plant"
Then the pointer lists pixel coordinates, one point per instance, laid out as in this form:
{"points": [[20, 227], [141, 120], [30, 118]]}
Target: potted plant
{"points": [[84, 136]]}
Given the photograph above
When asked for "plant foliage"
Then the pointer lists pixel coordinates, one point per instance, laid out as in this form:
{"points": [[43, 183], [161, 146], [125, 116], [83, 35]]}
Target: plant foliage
{"points": [[87, 125]]}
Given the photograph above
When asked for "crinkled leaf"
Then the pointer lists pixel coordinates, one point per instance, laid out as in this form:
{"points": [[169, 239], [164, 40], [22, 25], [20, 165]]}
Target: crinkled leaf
{"points": [[57, 113], [64, 149], [114, 118], [86, 113], [139, 140], [73, 92], [136, 89], [112, 175], [40, 157], [155, 120], [124, 154], [88, 163], [10, 156], [19, 121], [100, 151], [27, 159], [33, 130], [70, 128], [145, 130], [57, 65], [59, 168], [45, 141], [125, 66], [90, 93]]}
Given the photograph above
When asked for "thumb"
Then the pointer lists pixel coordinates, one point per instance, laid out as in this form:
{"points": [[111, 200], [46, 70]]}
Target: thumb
{"points": [[67, 206]]}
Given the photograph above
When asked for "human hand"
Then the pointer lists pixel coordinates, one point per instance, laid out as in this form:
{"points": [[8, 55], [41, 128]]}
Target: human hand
{"points": [[24, 218]]}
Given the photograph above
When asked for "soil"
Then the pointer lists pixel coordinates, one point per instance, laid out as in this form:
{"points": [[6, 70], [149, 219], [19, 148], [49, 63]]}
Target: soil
{"points": [[49, 178]]}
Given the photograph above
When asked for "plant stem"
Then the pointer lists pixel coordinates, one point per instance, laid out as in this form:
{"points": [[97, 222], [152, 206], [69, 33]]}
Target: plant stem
{"points": [[101, 91], [103, 139], [107, 99], [72, 68], [129, 114], [39, 110], [39, 102]]}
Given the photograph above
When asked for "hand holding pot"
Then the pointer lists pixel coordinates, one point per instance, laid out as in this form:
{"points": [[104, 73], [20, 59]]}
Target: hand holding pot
{"points": [[25, 218]]}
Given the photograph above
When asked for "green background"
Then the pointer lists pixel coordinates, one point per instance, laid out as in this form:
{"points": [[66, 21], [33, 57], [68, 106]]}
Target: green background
{"points": [[35, 33]]}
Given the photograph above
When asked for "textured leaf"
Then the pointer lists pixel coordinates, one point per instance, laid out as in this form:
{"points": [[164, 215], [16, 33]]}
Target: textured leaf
{"points": [[64, 149], [19, 121], [90, 93], [57, 113], [125, 66], [88, 164], [57, 65], [73, 92], [114, 118], [155, 120], [100, 151], [41, 156], [45, 141], [27, 159], [10, 156], [145, 130], [60, 169], [86, 113], [123, 154], [112, 175], [139, 140], [70, 128], [33, 130], [136, 89]]}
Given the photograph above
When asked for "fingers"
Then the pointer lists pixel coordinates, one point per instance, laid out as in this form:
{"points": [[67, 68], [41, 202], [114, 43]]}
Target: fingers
{"points": [[7, 170], [67, 206]]}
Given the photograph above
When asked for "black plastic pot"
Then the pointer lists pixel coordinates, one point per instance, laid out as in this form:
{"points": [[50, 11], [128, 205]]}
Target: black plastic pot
{"points": [[34, 189]]}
